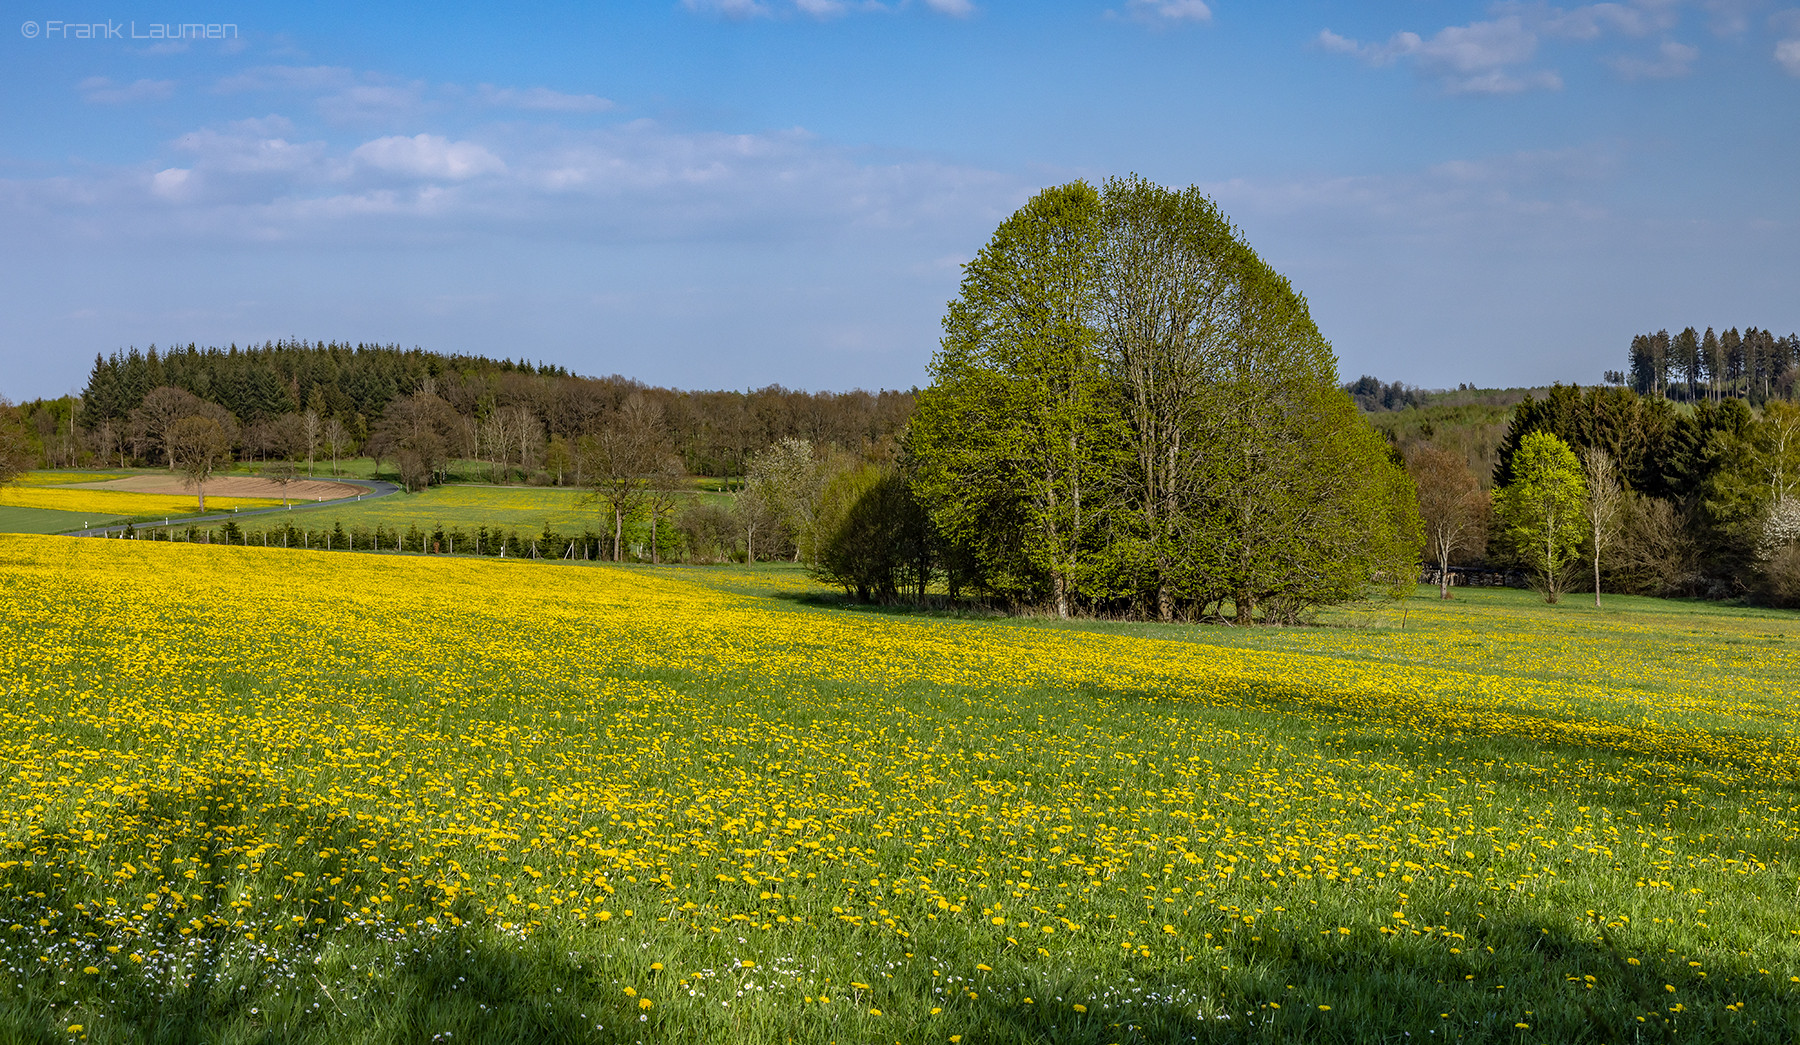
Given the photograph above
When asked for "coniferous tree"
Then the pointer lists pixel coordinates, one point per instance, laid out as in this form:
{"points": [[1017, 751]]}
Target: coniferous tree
{"points": [[1711, 363], [1686, 356]]}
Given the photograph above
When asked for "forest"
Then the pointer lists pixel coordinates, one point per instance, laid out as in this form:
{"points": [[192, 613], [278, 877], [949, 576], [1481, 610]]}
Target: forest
{"points": [[304, 400], [1755, 365]]}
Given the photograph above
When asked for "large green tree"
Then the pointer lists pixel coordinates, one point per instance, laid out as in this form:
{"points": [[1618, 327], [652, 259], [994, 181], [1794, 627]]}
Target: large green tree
{"points": [[1131, 408], [1171, 308], [1542, 508], [1016, 435]]}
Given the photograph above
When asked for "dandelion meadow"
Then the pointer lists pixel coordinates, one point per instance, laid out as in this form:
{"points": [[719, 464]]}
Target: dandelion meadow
{"points": [[119, 503], [266, 795]]}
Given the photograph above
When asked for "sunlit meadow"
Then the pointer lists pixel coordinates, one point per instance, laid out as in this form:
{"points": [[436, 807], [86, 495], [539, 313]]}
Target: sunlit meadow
{"points": [[267, 795]]}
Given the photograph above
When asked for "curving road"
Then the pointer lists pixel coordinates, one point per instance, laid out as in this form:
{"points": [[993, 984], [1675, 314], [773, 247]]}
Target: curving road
{"points": [[375, 488]]}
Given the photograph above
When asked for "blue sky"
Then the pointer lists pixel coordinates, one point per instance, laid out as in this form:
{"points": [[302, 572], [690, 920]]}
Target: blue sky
{"points": [[727, 193]]}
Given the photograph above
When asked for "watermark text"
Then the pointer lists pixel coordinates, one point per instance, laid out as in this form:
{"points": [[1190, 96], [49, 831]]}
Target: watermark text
{"points": [[110, 30]]}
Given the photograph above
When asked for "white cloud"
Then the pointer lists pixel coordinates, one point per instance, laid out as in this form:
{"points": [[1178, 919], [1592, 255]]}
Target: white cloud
{"points": [[1787, 52], [953, 8], [1463, 59], [246, 149], [170, 184], [1494, 56], [373, 103], [343, 96], [103, 91], [542, 99], [1168, 12], [428, 156], [1592, 21], [1731, 17], [1671, 60], [729, 8], [636, 182], [1478, 47], [287, 77], [1498, 82]]}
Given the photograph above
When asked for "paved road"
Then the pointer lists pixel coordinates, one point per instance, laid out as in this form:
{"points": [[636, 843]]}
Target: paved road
{"points": [[375, 487]]}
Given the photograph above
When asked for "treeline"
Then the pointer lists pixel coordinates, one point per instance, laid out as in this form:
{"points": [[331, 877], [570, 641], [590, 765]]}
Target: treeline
{"points": [[1755, 365], [1704, 491], [1375, 395], [294, 400]]}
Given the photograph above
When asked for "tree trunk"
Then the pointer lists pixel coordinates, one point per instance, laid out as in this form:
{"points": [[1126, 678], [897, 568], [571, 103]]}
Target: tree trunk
{"points": [[1062, 596], [618, 535], [1246, 608], [1596, 565], [200, 493], [1550, 592], [654, 561], [1165, 596]]}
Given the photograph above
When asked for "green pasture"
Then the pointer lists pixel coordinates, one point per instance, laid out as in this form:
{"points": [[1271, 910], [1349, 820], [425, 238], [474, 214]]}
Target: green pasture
{"points": [[526, 510], [47, 520], [1618, 861]]}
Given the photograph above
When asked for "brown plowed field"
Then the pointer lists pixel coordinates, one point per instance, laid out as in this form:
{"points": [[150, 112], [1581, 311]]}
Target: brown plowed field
{"points": [[230, 486]]}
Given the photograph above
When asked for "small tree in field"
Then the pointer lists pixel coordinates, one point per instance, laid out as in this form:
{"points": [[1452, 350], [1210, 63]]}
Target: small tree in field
{"points": [[666, 489], [337, 440], [198, 445], [621, 457], [1605, 505], [1452, 505], [1543, 508], [283, 474]]}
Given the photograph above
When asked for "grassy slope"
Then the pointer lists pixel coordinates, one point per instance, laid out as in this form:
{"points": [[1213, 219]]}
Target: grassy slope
{"points": [[44, 520], [523, 509], [1349, 833]]}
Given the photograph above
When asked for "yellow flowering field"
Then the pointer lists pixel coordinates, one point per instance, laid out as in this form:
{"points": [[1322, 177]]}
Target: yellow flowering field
{"points": [[335, 796], [523, 508], [115, 503], [48, 478]]}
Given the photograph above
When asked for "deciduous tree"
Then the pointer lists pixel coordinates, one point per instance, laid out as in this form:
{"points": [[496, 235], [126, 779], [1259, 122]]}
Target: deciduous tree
{"points": [[337, 440], [1603, 507], [1543, 508], [152, 419], [621, 456], [1452, 506], [1016, 434], [417, 431], [200, 445], [15, 443]]}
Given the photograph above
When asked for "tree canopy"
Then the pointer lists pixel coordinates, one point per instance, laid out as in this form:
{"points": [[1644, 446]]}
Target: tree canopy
{"points": [[1543, 507], [1132, 410]]}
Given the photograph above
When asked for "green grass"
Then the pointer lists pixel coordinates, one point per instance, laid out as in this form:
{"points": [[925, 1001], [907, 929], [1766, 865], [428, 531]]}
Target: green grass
{"points": [[45, 520], [1635, 763], [526, 510]]}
